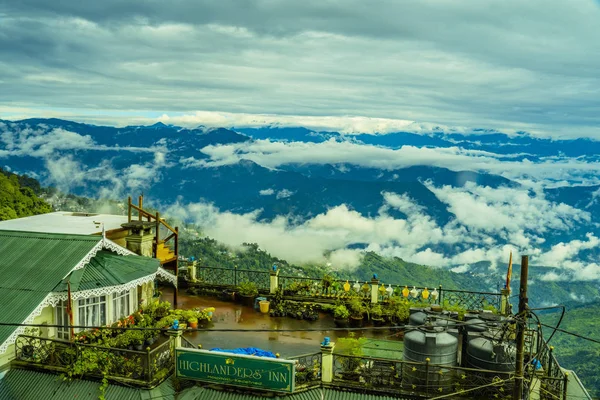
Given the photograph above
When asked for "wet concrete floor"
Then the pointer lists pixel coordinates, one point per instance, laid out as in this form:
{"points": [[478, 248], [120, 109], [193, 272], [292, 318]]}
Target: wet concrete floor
{"points": [[229, 315]]}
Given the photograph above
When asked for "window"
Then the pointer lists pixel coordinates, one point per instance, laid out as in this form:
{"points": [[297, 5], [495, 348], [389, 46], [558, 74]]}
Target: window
{"points": [[120, 305], [92, 311], [62, 319]]}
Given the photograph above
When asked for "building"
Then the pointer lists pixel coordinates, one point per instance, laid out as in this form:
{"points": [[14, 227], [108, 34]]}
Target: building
{"points": [[106, 280]]}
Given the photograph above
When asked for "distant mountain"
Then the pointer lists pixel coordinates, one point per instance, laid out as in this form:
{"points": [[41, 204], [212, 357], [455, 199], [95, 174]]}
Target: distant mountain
{"points": [[440, 214]]}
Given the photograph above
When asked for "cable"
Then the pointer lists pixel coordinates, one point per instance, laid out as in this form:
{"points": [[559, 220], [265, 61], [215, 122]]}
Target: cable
{"points": [[470, 390], [573, 334]]}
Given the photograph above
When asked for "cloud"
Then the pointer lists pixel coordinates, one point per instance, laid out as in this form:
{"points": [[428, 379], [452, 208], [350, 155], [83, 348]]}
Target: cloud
{"points": [[266, 192], [273, 154], [283, 194], [416, 238], [515, 68]]}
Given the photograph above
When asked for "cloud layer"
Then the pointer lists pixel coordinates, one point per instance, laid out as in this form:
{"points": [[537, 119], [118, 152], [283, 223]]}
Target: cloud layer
{"points": [[507, 65]]}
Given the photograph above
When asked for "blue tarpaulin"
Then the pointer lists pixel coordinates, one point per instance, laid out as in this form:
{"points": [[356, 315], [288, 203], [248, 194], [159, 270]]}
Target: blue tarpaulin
{"points": [[249, 351]]}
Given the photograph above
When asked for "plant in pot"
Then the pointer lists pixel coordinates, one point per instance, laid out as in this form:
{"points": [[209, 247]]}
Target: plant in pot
{"points": [[193, 322], [327, 282], [248, 291], [377, 315], [357, 309], [138, 339], [340, 316], [351, 348]]}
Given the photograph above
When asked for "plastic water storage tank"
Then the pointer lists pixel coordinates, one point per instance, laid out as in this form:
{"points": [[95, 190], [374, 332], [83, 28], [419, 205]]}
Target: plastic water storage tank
{"points": [[440, 347], [484, 353]]}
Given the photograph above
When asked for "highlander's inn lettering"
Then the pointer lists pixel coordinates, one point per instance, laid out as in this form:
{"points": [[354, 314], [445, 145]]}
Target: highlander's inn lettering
{"points": [[236, 370]]}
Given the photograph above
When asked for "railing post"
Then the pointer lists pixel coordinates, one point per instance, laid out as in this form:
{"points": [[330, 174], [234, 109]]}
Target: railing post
{"points": [[192, 271], [549, 368], [274, 280], [441, 297], [427, 360], [235, 275], [374, 289], [327, 360], [148, 362], [566, 382], [504, 303]]}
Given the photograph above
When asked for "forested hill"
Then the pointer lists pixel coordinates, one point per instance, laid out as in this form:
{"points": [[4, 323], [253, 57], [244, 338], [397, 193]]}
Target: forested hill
{"points": [[19, 196], [389, 270]]}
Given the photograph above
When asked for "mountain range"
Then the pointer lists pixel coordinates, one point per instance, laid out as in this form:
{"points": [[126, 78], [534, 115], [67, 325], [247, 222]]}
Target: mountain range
{"points": [[461, 201]]}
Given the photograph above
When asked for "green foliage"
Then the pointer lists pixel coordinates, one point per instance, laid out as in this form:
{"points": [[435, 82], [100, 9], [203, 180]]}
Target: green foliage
{"points": [[376, 311], [340, 311], [356, 307], [574, 353], [18, 200], [247, 289]]}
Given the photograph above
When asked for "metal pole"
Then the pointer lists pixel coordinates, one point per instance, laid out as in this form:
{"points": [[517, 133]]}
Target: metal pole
{"points": [[518, 389]]}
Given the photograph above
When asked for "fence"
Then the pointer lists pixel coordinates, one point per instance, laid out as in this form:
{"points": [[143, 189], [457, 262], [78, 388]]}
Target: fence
{"points": [[418, 378], [311, 288], [224, 277], [141, 368], [308, 369]]}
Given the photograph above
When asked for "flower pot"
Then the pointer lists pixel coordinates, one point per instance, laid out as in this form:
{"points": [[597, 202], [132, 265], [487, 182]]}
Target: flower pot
{"points": [[193, 325], [264, 306], [341, 322], [247, 300], [356, 322], [139, 347], [378, 321], [150, 341]]}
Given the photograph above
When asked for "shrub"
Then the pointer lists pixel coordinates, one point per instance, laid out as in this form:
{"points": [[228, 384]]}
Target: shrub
{"points": [[340, 312], [247, 289]]}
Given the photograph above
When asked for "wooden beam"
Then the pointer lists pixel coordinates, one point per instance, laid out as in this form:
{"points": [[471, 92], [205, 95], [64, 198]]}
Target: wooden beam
{"points": [[129, 209]]}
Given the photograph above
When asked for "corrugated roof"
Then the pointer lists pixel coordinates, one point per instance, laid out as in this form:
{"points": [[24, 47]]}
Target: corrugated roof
{"points": [[36, 261], [21, 384], [319, 393], [109, 269], [31, 264]]}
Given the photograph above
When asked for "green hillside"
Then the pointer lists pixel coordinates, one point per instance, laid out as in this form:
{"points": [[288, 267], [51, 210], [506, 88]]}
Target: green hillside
{"points": [[574, 353], [18, 196]]}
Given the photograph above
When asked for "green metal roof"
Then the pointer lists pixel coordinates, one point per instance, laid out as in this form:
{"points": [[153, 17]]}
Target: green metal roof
{"points": [[37, 261], [109, 269], [21, 384], [31, 264], [319, 393]]}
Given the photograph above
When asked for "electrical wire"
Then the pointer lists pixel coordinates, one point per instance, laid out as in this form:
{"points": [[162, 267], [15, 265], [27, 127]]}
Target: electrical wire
{"points": [[573, 334]]}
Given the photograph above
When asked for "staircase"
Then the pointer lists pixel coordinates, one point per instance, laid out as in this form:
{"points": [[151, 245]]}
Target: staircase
{"points": [[164, 253]]}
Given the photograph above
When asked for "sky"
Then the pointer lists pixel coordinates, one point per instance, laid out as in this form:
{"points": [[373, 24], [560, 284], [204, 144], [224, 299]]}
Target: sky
{"points": [[502, 64]]}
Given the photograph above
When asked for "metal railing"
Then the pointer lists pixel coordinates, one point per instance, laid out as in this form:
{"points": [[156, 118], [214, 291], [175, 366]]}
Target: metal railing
{"points": [[224, 277], [142, 368], [306, 287], [415, 378], [308, 369]]}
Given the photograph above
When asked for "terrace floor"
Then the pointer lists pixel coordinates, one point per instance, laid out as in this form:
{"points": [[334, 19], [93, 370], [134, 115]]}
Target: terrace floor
{"points": [[229, 315]]}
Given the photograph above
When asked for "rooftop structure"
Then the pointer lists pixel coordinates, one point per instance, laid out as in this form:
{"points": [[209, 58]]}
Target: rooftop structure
{"points": [[74, 223]]}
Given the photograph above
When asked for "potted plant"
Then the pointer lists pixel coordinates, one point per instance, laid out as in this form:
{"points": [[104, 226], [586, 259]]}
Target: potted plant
{"points": [[357, 310], [377, 315], [351, 348], [193, 322], [327, 282], [248, 291], [340, 316], [137, 339]]}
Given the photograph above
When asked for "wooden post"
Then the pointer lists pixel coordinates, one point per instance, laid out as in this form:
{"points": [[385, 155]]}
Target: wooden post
{"points": [[129, 209], [175, 292], [521, 324], [140, 204], [157, 227]]}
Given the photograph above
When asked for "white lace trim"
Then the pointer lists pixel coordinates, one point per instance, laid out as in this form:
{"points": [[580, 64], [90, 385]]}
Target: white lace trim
{"points": [[52, 299], [105, 244], [49, 300]]}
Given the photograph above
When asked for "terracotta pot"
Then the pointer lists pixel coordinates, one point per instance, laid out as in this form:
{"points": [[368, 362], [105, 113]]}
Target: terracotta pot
{"points": [[193, 325], [341, 323]]}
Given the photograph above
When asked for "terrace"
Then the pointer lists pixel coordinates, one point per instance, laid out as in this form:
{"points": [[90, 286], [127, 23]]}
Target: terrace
{"points": [[327, 354]]}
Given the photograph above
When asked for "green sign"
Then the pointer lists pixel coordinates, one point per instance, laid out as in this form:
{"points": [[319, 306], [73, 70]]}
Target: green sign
{"points": [[236, 370]]}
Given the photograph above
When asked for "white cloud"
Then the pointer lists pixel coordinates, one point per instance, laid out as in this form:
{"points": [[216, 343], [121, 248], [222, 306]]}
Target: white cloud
{"points": [[266, 192], [284, 193], [274, 154]]}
